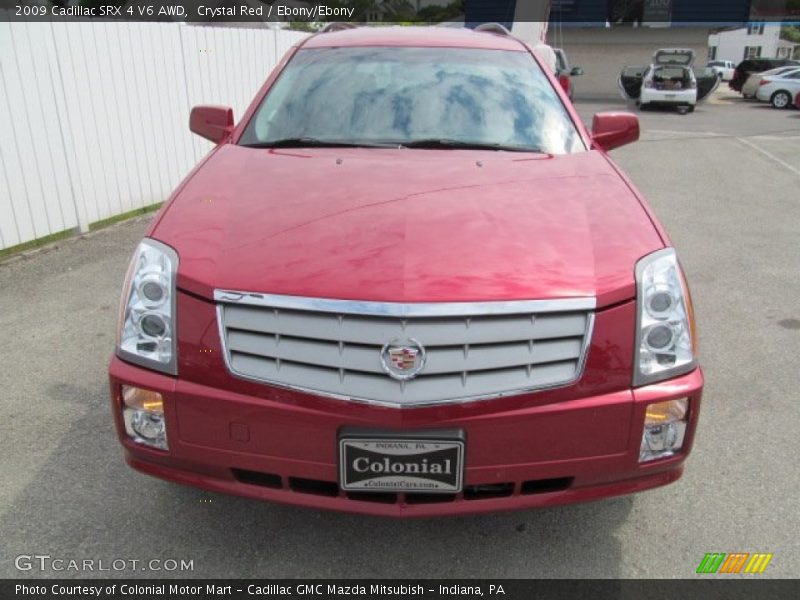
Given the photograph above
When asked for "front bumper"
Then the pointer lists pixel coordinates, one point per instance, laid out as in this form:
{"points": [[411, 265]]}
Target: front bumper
{"points": [[283, 448]]}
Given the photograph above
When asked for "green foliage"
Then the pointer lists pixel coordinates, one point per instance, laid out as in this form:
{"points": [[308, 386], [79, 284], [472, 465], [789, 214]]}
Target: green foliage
{"points": [[304, 26], [791, 33], [437, 14]]}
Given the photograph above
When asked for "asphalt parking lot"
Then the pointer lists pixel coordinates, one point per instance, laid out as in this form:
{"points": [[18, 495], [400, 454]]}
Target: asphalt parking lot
{"points": [[725, 181]]}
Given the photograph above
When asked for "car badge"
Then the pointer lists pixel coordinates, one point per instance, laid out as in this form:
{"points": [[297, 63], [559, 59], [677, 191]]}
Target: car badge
{"points": [[403, 359]]}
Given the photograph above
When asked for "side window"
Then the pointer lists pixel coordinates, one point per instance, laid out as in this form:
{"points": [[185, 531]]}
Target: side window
{"points": [[795, 75]]}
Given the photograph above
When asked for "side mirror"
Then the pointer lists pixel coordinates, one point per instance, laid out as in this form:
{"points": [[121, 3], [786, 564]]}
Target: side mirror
{"points": [[563, 79], [614, 129], [576, 71], [214, 123]]}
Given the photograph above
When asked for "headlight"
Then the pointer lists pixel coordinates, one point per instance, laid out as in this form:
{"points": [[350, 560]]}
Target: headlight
{"points": [[665, 340], [146, 332]]}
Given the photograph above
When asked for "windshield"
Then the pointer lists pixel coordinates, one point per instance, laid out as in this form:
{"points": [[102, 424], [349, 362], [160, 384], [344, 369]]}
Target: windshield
{"points": [[399, 96]]}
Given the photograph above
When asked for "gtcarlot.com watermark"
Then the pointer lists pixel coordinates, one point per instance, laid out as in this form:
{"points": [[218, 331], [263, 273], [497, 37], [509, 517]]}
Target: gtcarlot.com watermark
{"points": [[46, 562]]}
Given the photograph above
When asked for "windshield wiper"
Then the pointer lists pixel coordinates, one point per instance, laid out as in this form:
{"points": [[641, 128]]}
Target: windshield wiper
{"points": [[434, 143], [427, 143], [311, 142]]}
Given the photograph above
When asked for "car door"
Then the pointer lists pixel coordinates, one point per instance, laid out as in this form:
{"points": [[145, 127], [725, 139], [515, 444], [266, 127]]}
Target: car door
{"points": [[707, 82], [630, 82]]}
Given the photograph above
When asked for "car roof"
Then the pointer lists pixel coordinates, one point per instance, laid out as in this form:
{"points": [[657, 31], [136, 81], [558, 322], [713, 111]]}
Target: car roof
{"points": [[426, 37]]}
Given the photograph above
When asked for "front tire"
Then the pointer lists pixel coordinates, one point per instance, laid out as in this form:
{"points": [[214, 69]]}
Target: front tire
{"points": [[781, 99]]}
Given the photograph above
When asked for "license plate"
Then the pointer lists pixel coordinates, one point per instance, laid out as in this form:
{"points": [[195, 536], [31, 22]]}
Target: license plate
{"points": [[401, 462], [670, 95]]}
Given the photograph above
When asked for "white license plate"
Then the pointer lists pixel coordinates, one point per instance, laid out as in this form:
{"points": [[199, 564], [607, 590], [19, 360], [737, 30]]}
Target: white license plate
{"points": [[400, 464]]}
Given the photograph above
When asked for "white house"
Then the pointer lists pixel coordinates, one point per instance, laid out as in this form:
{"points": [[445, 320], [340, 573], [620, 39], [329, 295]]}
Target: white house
{"points": [[758, 39]]}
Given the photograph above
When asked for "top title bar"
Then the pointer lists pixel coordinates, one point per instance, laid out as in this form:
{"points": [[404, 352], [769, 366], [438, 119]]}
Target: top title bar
{"points": [[311, 15]]}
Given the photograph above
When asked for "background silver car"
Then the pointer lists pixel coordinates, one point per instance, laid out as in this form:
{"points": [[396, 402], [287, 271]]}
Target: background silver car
{"points": [[750, 86]]}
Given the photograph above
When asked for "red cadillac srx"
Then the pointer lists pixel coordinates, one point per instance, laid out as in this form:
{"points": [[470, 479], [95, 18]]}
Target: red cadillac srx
{"points": [[408, 282]]}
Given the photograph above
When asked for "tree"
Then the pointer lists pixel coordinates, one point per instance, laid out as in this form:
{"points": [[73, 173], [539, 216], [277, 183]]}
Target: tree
{"points": [[791, 33]]}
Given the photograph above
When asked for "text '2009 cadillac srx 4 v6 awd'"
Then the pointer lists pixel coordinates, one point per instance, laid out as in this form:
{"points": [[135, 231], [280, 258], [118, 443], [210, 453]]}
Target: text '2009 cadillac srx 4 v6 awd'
{"points": [[408, 282]]}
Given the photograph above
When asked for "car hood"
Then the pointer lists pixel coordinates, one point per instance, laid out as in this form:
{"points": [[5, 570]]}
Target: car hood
{"points": [[407, 225]]}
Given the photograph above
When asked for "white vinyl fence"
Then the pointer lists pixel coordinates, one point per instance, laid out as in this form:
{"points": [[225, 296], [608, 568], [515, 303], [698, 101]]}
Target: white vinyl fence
{"points": [[94, 117]]}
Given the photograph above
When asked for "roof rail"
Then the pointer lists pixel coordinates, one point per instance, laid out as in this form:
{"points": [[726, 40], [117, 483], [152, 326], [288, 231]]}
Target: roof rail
{"points": [[493, 28], [337, 26]]}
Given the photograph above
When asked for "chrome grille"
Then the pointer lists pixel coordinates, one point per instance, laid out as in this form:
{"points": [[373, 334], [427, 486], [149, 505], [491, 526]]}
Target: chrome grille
{"points": [[473, 350]]}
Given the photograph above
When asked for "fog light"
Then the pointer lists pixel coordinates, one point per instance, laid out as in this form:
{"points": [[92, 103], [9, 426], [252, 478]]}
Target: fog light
{"points": [[149, 425], [143, 414], [664, 429]]}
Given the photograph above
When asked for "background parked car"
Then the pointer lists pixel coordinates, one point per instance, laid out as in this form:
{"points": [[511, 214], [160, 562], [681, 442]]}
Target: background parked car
{"points": [[723, 68], [750, 87], [565, 73], [756, 65], [780, 90], [669, 80]]}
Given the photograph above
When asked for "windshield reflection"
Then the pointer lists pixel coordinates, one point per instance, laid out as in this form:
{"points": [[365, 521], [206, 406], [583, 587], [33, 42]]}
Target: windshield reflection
{"points": [[400, 95]]}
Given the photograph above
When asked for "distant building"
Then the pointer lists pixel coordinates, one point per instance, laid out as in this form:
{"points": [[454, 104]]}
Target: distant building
{"points": [[758, 39]]}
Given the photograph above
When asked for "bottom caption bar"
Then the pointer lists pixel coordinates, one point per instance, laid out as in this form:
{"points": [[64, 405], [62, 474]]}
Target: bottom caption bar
{"points": [[653, 589]]}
